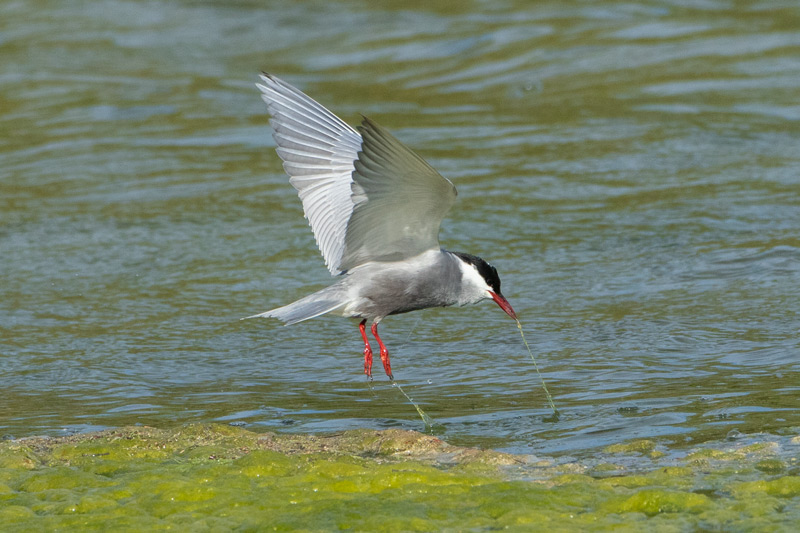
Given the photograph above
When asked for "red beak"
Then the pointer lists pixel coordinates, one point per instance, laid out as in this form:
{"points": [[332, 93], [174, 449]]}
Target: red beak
{"points": [[504, 305]]}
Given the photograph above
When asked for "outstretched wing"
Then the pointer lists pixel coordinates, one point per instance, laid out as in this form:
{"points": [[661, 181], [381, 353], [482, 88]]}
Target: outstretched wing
{"points": [[318, 150], [400, 201], [367, 196]]}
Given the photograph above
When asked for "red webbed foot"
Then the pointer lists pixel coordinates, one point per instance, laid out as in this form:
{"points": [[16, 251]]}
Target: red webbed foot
{"points": [[387, 366], [367, 349]]}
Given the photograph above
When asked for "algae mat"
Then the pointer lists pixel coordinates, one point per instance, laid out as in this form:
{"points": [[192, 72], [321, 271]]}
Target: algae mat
{"points": [[220, 478]]}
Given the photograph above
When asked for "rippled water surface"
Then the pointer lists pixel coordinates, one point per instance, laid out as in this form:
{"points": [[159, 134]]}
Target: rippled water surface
{"points": [[631, 169]]}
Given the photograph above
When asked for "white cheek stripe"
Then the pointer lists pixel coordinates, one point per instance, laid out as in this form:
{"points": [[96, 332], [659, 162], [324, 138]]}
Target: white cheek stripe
{"points": [[473, 287]]}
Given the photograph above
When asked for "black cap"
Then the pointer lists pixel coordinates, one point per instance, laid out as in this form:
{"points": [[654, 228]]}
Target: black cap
{"points": [[487, 271]]}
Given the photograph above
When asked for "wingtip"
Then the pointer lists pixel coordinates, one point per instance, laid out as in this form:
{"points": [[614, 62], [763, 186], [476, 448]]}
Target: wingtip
{"points": [[365, 120], [367, 125], [267, 78]]}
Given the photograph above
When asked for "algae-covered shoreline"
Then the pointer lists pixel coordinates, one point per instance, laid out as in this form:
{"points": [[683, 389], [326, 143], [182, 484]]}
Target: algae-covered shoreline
{"points": [[219, 478]]}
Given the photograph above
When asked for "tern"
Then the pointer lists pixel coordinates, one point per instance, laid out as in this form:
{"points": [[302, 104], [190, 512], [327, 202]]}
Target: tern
{"points": [[375, 208]]}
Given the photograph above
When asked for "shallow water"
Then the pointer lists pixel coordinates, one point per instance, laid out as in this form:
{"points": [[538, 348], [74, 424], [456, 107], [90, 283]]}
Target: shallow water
{"points": [[631, 169]]}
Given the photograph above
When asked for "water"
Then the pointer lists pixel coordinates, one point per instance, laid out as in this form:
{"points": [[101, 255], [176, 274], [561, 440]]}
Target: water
{"points": [[631, 169]]}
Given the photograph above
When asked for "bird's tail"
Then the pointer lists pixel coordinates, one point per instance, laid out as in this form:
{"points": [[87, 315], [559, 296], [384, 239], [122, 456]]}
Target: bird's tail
{"points": [[311, 306]]}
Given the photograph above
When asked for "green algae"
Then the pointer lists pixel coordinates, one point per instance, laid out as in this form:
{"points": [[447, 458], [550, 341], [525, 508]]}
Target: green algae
{"points": [[655, 501], [771, 466], [13, 455], [784, 487], [643, 446], [215, 477], [640, 446]]}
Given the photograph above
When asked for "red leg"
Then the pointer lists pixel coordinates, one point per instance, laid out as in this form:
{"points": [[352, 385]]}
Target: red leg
{"points": [[367, 350], [384, 352]]}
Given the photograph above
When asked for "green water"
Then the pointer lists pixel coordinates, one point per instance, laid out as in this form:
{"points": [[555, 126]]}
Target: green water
{"points": [[631, 169]]}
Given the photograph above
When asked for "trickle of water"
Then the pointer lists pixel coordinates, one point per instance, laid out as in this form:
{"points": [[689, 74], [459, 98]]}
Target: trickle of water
{"points": [[544, 386], [425, 418]]}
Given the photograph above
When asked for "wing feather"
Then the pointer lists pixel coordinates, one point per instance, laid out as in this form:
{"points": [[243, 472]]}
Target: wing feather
{"points": [[318, 150]]}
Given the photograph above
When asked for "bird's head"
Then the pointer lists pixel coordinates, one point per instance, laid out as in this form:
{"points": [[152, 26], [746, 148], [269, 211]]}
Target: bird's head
{"points": [[480, 282]]}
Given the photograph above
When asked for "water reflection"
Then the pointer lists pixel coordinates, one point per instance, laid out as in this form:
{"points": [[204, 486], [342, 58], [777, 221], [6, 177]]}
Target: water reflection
{"points": [[630, 169]]}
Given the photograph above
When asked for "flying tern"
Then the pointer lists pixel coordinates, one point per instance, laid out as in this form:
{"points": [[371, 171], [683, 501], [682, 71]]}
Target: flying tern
{"points": [[375, 208]]}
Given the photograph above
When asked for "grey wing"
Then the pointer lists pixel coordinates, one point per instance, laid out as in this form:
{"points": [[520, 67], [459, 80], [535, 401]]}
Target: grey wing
{"points": [[400, 201], [318, 150]]}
